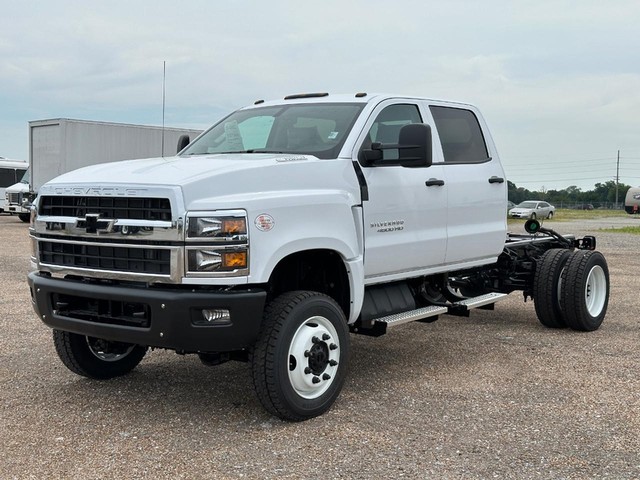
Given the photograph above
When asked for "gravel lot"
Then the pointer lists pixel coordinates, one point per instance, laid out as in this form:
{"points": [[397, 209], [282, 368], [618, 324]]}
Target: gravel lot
{"points": [[495, 395]]}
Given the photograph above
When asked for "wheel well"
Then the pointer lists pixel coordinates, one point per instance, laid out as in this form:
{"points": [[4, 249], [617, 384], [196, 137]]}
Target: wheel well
{"points": [[317, 270]]}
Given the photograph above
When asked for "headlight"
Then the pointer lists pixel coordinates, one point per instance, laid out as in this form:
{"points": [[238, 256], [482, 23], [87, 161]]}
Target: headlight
{"points": [[218, 227], [222, 260], [217, 244]]}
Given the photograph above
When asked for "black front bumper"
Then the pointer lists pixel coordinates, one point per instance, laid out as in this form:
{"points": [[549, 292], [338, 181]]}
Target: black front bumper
{"points": [[154, 317]]}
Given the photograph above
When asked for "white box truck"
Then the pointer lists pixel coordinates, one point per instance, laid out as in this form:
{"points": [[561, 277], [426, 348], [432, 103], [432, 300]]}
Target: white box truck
{"points": [[57, 146], [11, 171]]}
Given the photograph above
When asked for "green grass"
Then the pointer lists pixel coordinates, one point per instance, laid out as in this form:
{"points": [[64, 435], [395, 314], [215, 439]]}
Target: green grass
{"points": [[631, 230], [566, 214]]}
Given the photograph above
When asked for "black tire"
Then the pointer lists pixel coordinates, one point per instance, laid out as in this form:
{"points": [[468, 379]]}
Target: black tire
{"points": [[585, 290], [546, 287], [550, 216], [300, 360], [95, 358], [25, 217]]}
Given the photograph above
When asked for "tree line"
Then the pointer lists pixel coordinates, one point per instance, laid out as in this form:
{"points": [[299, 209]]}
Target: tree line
{"points": [[602, 196]]}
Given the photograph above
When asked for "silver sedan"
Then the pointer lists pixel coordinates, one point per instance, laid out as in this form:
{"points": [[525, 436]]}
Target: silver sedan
{"points": [[533, 209]]}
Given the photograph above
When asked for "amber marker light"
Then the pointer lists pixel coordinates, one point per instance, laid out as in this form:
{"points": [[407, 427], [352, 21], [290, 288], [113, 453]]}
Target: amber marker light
{"points": [[234, 260], [234, 226]]}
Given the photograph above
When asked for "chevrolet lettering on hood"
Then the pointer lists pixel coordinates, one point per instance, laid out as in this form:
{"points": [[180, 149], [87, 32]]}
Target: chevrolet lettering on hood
{"points": [[100, 191]]}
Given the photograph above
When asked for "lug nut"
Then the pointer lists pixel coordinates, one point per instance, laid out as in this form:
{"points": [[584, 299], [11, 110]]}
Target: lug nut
{"points": [[326, 376], [333, 346], [307, 370], [333, 363], [315, 380], [326, 336], [315, 340], [307, 353]]}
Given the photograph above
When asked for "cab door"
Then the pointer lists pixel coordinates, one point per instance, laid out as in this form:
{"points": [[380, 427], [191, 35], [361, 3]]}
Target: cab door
{"points": [[476, 185], [405, 217]]}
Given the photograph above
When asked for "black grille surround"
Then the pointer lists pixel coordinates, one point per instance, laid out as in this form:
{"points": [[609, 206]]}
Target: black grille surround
{"points": [[129, 208], [119, 257]]}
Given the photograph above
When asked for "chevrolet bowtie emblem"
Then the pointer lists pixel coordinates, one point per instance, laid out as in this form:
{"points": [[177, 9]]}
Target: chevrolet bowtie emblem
{"points": [[93, 223]]}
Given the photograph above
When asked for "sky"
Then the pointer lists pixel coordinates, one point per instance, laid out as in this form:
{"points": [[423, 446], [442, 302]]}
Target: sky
{"points": [[557, 81]]}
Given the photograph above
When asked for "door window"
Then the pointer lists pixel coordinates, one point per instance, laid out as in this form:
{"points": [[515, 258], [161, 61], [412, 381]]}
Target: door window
{"points": [[460, 135], [387, 125]]}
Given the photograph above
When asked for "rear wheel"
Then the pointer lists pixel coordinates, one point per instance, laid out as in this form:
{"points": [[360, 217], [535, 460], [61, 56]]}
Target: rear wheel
{"points": [[547, 287], [94, 357], [585, 290], [300, 360]]}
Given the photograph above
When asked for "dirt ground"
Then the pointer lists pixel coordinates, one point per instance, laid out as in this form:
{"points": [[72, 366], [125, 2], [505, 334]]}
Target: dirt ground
{"points": [[495, 395]]}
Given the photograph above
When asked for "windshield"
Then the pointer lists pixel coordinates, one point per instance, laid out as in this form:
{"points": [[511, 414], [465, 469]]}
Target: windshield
{"points": [[317, 129], [527, 205], [25, 177]]}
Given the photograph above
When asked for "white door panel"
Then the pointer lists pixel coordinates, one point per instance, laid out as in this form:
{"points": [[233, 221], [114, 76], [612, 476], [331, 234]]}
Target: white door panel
{"points": [[477, 215], [405, 220]]}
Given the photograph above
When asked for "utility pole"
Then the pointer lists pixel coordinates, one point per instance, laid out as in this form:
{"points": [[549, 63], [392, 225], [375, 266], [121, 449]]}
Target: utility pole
{"points": [[617, 177], [164, 77]]}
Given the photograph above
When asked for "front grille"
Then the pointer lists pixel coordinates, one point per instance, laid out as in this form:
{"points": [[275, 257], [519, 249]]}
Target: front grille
{"points": [[124, 208], [15, 198], [99, 257], [110, 312]]}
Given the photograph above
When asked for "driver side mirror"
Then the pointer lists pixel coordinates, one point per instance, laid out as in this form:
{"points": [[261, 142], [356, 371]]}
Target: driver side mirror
{"points": [[414, 149]]}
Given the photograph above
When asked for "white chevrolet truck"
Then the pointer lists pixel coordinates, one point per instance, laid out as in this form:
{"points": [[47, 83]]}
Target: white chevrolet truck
{"points": [[283, 228]]}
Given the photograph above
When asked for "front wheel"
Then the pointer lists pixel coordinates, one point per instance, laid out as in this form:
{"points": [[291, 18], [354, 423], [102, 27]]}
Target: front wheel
{"points": [[585, 290], [300, 360], [550, 216], [533, 216], [96, 358], [25, 217]]}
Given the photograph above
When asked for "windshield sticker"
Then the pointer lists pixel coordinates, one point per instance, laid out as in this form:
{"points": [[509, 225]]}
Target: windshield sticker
{"points": [[233, 136], [333, 135]]}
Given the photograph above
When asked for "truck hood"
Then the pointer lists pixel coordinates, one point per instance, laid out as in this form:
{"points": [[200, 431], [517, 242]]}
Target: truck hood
{"points": [[222, 179], [170, 171]]}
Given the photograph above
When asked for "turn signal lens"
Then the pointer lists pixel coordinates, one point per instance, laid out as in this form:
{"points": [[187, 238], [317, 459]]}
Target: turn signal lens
{"points": [[234, 260], [235, 226]]}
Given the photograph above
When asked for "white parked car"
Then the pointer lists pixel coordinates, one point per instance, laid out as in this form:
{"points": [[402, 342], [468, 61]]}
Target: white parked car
{"points": [[533, 209]]}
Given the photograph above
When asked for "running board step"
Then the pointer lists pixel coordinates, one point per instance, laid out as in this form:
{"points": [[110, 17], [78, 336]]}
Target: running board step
{"points": [[488, 300], [411, 316], [461, 308]]}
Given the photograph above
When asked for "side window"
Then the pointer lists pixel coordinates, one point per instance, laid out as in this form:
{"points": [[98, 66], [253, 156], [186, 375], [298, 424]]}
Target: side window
{"points": [[460, 135], [387, 125], [7, 177]]}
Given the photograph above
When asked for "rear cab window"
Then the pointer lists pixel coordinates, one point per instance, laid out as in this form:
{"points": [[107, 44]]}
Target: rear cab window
{"points": [[460, 135]]}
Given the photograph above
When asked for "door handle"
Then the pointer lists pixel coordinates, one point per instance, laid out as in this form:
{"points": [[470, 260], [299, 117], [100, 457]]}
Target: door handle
{"points": [[495, 179], [434, 182]]}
